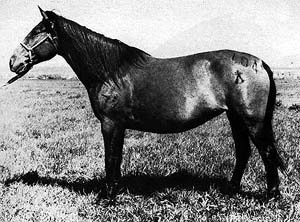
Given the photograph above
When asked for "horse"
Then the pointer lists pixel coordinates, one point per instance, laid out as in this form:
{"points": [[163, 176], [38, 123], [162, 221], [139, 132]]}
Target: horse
{"points": [[130, 89]]}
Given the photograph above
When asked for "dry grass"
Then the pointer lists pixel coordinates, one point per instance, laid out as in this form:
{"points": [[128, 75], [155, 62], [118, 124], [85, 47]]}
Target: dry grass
{"points": [[52, 164]]}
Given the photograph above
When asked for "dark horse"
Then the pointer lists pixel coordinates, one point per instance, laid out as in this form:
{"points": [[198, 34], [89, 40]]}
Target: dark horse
{"points": [[129, 89]]}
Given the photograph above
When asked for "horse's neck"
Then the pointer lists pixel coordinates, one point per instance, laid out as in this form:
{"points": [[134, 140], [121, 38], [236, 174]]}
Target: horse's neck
{"points": [[83, 64], [83, 73], [95, 58]]}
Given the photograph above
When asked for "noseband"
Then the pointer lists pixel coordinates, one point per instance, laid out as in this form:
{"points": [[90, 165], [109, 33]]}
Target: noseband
{"points": [[30, 49]]}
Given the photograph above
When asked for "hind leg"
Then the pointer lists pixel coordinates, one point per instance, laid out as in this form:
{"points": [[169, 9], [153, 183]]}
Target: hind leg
{"points": [[242, 149], [263, 138]]}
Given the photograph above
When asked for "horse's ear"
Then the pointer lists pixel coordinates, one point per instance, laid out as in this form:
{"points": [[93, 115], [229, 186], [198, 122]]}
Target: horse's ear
{"points": [[43, 13], [48, 23]]}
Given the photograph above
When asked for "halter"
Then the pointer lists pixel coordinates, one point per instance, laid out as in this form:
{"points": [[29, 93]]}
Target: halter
{"points": [[30, 49]]}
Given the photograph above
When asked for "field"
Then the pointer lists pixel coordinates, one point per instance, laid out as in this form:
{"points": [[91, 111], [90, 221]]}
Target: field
{"points": [[52, 163]]}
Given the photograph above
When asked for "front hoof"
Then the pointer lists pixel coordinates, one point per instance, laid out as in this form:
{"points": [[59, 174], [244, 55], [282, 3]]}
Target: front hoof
{"points": [[107, 197], [274, 193], [112, 190]]}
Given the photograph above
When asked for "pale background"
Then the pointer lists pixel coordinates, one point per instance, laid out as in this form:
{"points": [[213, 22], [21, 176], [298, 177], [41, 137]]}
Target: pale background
{"points": [[268, 29]]}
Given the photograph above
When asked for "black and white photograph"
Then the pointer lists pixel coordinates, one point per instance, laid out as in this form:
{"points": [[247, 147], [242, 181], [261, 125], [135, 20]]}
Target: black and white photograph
{"points": [[149, 110]]}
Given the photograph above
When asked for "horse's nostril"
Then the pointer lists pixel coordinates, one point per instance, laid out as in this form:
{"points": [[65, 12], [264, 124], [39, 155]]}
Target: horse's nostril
{"points": [[12, 61]]}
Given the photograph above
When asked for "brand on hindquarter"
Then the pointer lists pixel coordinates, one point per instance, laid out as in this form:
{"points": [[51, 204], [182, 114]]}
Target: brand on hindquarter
{"points": [[239, 78]]}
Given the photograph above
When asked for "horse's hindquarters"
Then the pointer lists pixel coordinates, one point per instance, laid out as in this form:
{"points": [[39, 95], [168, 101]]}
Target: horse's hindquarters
{"points": [[248, 96]]}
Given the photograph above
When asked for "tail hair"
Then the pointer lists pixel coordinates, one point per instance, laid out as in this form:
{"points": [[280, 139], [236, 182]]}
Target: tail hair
{"points": [[268, 119], [272, 94]]}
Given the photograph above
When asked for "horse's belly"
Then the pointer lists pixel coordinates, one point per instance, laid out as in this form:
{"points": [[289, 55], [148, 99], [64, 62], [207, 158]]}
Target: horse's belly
{"points": [[176, 111], [175, 121]]}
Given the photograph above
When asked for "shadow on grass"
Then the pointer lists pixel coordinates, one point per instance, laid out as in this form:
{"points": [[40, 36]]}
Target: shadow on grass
{"points": [[144, 185]]}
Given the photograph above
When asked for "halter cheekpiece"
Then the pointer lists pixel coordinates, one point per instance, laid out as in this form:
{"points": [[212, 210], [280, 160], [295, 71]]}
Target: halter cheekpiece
{"points": [[30, 49]]}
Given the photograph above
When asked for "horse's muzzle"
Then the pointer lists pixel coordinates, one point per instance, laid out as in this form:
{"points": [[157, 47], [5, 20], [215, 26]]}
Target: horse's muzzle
{"points": [[11, 63], [19, 68]]}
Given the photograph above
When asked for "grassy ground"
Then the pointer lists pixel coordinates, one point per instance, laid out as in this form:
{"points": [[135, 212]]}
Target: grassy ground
{"points": [[52, 164]]}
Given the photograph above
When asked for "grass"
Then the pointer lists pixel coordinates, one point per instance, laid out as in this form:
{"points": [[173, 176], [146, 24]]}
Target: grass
{"points": [[52, 164]]}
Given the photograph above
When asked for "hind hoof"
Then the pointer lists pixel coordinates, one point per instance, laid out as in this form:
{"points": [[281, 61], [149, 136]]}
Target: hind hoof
{"points": [[231, 188]]}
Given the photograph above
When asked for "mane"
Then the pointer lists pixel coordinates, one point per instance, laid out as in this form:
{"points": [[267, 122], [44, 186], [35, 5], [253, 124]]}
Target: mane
{"points": [[108, 58]]}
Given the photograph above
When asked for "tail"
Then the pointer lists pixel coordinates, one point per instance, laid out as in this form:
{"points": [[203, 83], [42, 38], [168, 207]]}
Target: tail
{"points": [[272, 94], [268, 119]]}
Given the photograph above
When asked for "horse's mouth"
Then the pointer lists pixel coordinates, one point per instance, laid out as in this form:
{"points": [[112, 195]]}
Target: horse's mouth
{"points": [[20, 71]]}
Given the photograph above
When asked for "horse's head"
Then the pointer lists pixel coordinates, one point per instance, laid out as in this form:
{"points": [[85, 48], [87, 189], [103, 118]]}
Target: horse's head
{"points": [[39, 45]]}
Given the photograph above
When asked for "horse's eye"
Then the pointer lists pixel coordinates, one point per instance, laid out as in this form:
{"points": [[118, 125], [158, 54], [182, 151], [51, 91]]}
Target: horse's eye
{"points": [[37, 32]]}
